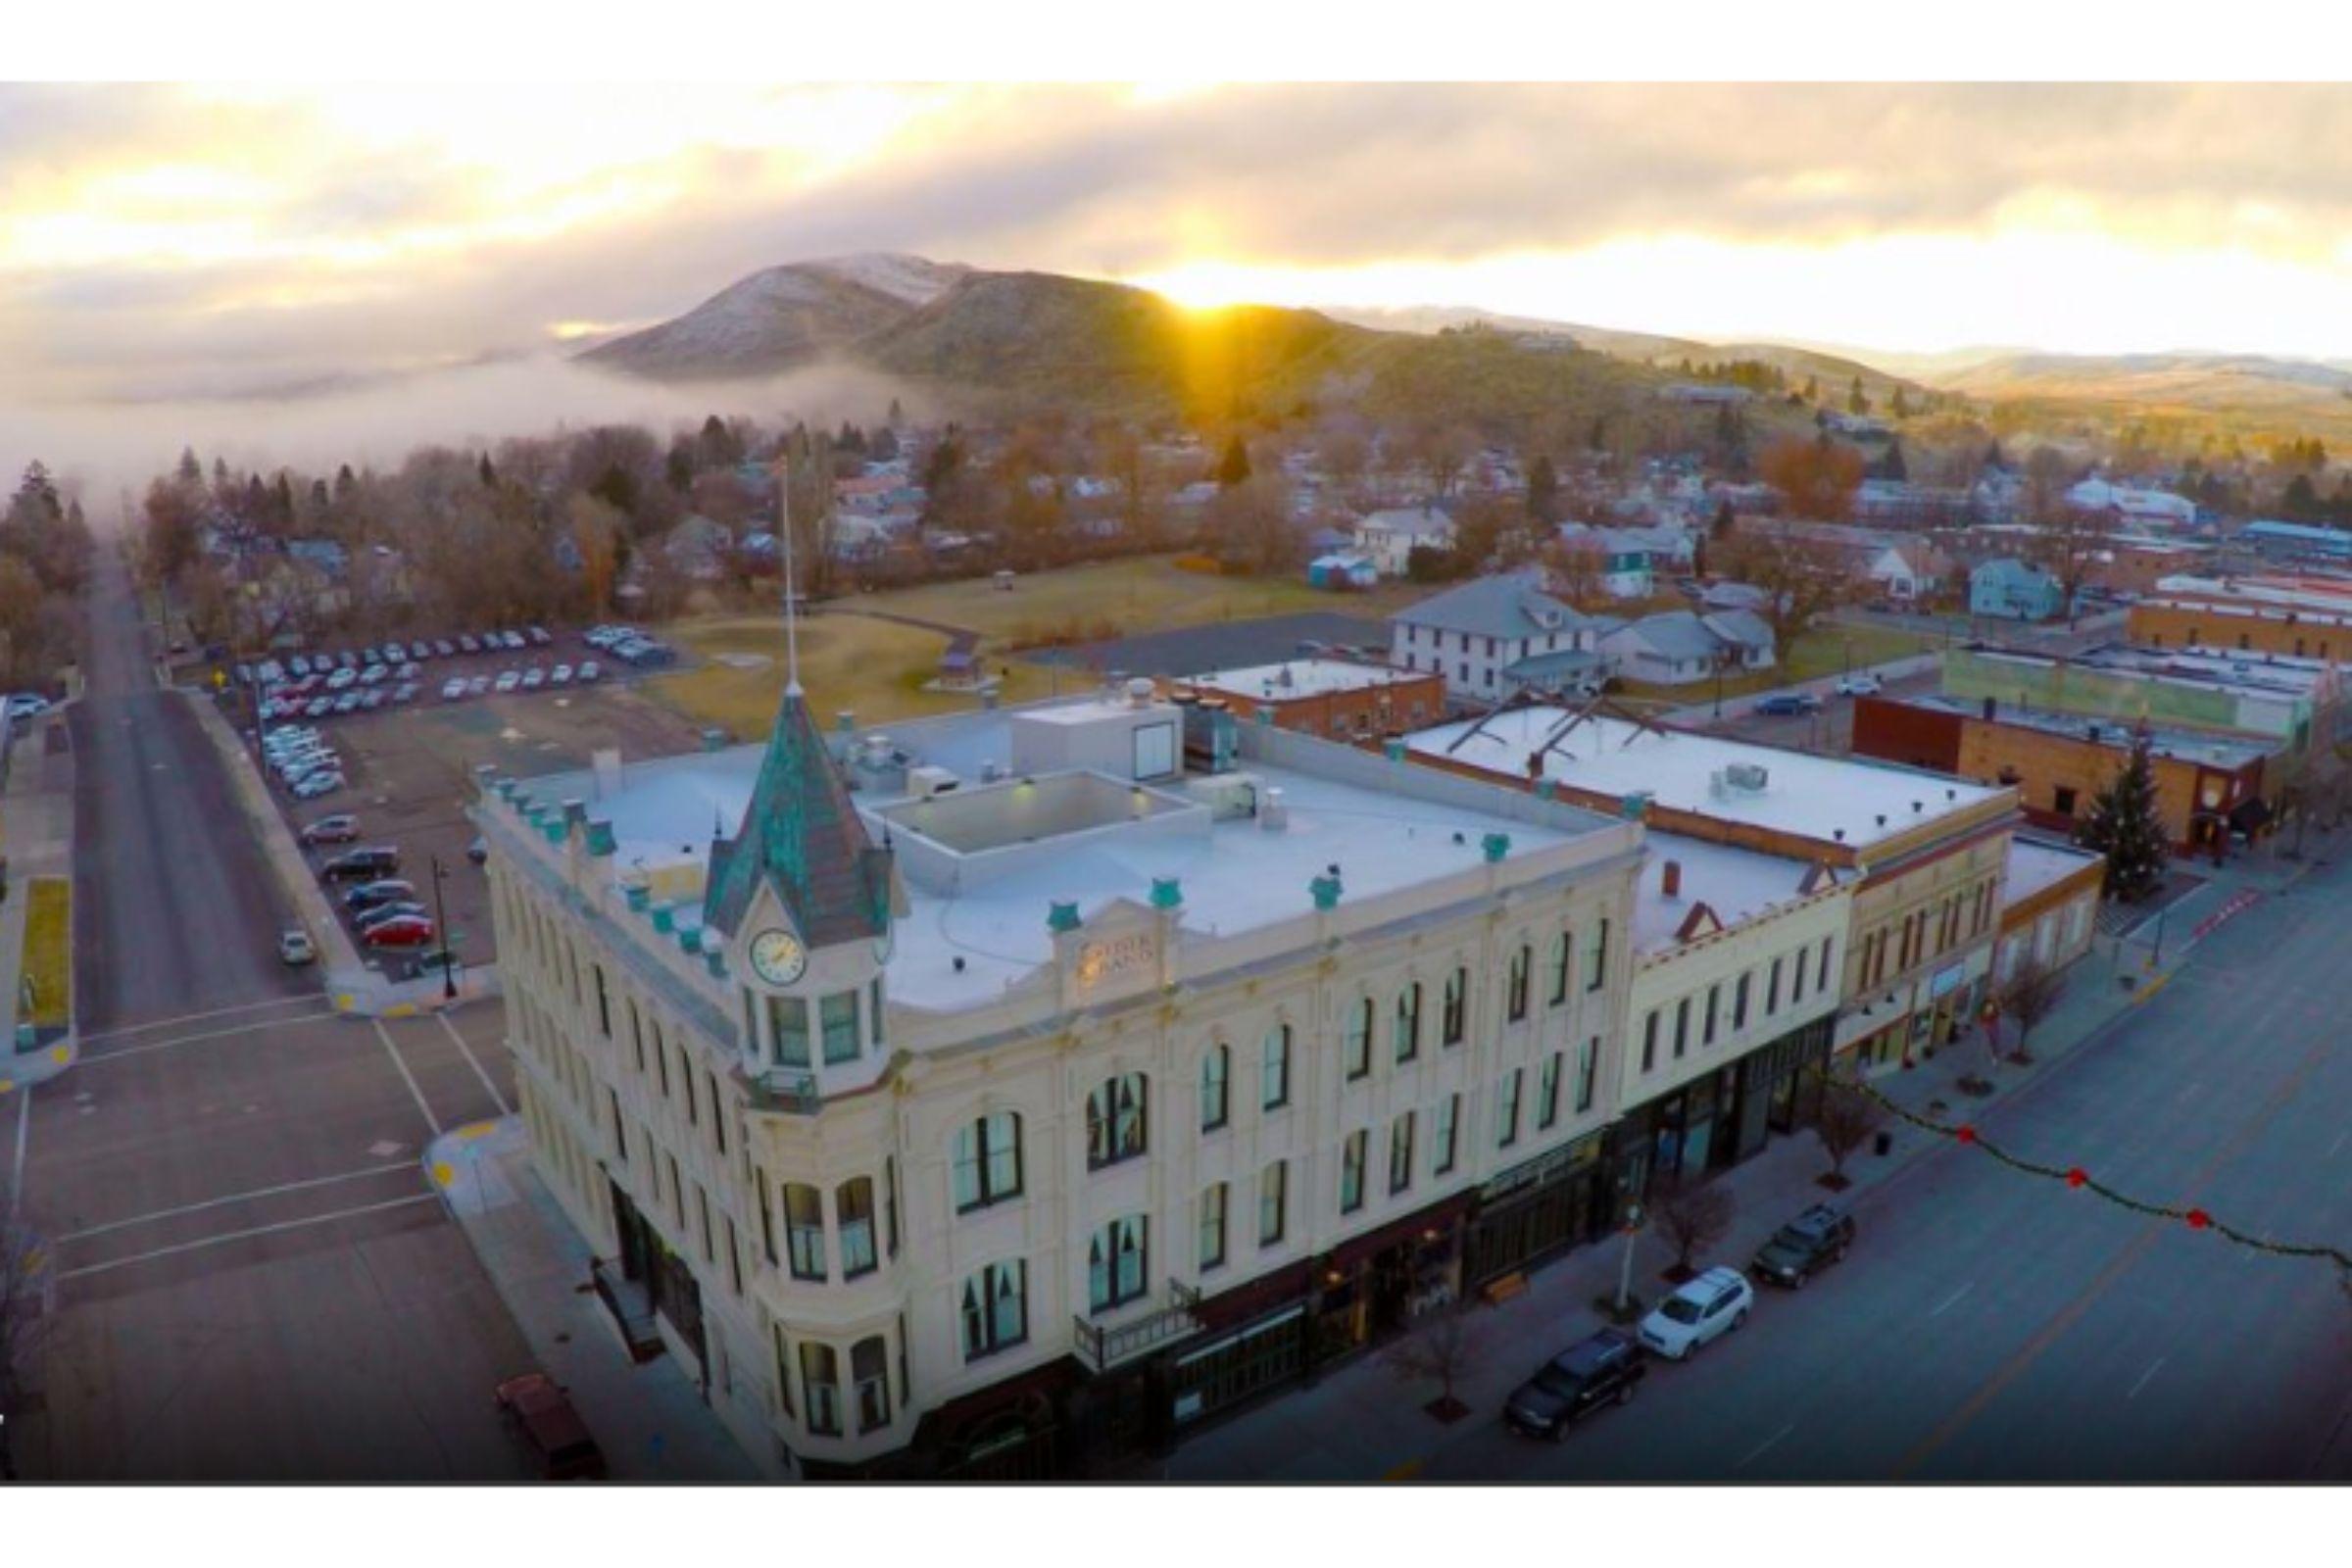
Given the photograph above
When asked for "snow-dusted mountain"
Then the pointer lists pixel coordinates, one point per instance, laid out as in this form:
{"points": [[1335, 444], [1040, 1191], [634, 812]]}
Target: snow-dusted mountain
{"points": [[781, 318]]}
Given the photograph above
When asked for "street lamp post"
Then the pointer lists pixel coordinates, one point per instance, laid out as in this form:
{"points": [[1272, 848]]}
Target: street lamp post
{"points": [[449, 973], [1625, 1270]]}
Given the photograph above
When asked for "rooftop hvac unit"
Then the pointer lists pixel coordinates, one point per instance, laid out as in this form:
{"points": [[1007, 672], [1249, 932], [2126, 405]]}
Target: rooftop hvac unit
{"points": [[924, 782], [1748, 777]]}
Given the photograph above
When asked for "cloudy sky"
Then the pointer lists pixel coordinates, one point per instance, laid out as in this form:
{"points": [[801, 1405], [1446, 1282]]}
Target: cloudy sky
{"points": [[177, 240]]}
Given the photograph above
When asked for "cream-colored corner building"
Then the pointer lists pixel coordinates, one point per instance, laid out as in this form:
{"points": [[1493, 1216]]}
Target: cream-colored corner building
{"points": [[1012, 1092]]}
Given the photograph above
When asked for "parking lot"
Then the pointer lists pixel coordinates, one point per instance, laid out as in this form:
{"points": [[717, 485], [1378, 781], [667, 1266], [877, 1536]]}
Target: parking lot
{"points": [[409, 768]]}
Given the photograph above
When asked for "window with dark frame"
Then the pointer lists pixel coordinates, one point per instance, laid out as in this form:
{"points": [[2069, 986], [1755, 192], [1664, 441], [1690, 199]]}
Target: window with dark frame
{"points": [[1216, 1096], [987, 1167], [805, 1231], [1354, 1152], [1400, 1153], [1114, 1120]]}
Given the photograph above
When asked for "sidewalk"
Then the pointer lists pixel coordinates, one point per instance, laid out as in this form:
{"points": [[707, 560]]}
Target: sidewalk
{"points": [[1363, 1423], [36, 834], [649, 1419]]}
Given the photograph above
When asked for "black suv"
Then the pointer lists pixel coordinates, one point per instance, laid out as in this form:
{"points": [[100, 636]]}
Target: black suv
{"points": [[1814, 1239], [356, 864], [1600, 1370]]}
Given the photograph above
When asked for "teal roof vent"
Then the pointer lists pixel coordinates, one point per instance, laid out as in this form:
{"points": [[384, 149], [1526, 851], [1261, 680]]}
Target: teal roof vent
{"points": [[1326, 890], [1497, 845], [1166, 893], [665, 919], [600, 837], [1063, 916]]}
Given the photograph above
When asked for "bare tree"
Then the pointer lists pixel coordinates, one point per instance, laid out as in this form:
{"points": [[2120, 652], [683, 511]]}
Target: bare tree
{"points": [[1693, 1214], [23, 1324], [1443, 1349], [1846, 1119], [1801, 578], [2031, 995]]}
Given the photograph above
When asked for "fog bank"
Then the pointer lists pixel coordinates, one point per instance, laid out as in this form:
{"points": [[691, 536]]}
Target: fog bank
{"points": [[102, 449]]}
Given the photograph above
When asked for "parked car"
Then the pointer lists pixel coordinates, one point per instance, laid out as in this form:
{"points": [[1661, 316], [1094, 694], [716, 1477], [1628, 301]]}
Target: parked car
{"points": [[479, 685], [514, 641], [467, 643], [348, 703], [375, 699], [294, 948], [405, 692], [591, 671], [314, 785], [478, 851], [560, 675], [443, 648], [533, 678], [341, 679], [1704, 1308], [1788, 704], [384, 890], [318, 706], [377, 859], [399, 908], [406, 931], [340, 828], [1863, 685], [371, 658], [543, 1420], [453, 688], [1603, 1369], [508, 680], [376, 673], [538, 636], [1807, 1244], [430, 962], [420, 649], [299, 664]]}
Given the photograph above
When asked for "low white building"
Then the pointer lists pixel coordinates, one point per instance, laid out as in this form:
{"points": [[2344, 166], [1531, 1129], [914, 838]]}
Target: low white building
{"points": [[1017, 1092], [1390, 537]]}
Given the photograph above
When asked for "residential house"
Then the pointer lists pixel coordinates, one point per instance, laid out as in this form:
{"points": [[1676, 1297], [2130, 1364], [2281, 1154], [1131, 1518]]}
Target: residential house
{"points": [[1677, 648], [2014, 590], [1390, 537], [1619, 560], [1473, 633]]}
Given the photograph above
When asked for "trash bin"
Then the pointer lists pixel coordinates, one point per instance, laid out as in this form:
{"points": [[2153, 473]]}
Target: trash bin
{"points": [[1884, 1144]]}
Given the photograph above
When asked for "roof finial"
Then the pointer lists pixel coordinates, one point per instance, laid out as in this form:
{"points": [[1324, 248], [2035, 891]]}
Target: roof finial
{"points": [[792, 615]]}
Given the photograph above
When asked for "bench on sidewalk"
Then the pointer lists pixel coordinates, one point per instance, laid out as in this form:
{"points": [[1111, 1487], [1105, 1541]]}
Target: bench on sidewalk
{"points": [[1503, 1290]]}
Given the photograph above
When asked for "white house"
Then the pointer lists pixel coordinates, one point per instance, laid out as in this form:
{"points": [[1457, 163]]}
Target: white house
{"points": [[1675, 646], [1390, 537], [1474, 633]]}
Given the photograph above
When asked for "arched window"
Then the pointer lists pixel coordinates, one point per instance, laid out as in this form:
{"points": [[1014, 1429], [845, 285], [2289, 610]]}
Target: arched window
{"points": [[1408, 1022], [854, 1210], [988, 1162], [1114, 1120], [1216, 1097], [1274, 1070]]}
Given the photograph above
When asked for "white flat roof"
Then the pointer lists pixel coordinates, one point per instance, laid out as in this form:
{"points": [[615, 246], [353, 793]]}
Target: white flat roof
{"points": [[2037, 864], [1235, 877], [1739, 885], [1832, 799], [1301, 677]]}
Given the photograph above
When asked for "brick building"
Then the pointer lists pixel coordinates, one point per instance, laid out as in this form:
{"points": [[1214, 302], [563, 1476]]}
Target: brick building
{"points": [[1334, 698]]}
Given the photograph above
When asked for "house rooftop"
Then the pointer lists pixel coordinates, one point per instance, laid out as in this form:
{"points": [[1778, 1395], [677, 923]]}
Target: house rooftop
{"points": [[1848, 801], [1510, 605]]}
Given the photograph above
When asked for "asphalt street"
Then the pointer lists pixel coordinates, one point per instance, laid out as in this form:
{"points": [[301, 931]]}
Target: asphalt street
{"points": [[255, 1279], [1992, 1326]]}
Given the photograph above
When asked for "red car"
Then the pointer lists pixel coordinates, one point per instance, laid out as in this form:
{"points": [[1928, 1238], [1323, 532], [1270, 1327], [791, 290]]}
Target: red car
{"points": [[547, 1423], [401, 931]]}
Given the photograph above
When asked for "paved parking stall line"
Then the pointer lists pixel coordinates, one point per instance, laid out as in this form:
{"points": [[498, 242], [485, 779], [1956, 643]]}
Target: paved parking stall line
{"points": [[1952, 1300], [234, 1198], [496, 1099], [227, 1236], [2143, 1378], [407, 1077], [1757, 1452]]}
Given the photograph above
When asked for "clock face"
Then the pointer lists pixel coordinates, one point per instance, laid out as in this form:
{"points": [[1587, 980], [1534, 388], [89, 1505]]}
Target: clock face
{"points": [[779, 957]]}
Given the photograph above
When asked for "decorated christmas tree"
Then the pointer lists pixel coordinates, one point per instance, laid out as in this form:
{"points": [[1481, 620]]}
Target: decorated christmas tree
{"points": [[2123, 826]]}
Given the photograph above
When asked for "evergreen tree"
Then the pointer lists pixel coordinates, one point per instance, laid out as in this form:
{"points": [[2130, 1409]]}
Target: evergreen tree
{"points": [[345, 482], [487, 472], [1891, 466], [1724, 520], [1856, 402], [883, 445], [190, 470], [2123, 826], [1812, 389], [1542, 490], [1234, 468], [1902, 408], [897, 415]]}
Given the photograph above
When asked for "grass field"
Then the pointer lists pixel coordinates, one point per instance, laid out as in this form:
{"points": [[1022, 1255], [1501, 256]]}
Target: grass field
{"points": [[48, 970], [1823, 651], [878, 667]]}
